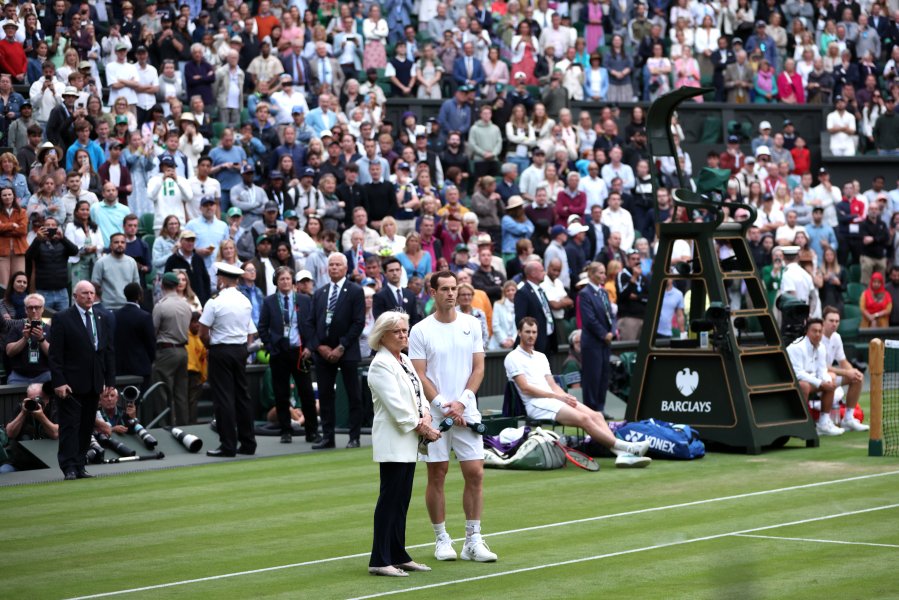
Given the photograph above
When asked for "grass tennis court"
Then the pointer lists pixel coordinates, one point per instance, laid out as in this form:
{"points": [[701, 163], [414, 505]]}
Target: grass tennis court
{"points": [[712, 528]]}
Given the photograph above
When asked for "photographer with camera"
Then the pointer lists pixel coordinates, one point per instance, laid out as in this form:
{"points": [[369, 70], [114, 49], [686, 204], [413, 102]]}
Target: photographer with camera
{"points": [[27, 345], [48, 258], [113, 414], [34, 421]]}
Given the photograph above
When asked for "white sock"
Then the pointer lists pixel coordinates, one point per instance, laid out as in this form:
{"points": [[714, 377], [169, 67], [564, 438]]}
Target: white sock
{"points": [[621, 446], [439, 528], [472, 527], [823, 419]]}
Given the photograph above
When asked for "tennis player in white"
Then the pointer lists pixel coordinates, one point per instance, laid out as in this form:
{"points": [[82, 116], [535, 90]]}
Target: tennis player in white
{"points": [[448, 353]]}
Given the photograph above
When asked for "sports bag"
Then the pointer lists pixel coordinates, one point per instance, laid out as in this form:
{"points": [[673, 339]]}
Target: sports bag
{"points": [[535, 451], [666, 440]]}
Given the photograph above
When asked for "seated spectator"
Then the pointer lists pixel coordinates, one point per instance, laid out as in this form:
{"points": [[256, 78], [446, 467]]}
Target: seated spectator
{"points": [[33, 421], [528, 369], [810, 366]]}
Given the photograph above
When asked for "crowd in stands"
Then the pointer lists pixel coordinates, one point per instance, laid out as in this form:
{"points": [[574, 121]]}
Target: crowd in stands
{"points": [[256, 134]]}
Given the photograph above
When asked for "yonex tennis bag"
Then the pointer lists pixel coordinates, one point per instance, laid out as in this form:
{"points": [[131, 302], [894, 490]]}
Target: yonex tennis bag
{"points": [[666, 440], [535, 451]]}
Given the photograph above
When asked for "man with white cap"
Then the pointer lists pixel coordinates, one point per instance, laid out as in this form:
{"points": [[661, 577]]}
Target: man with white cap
{"points": [[764, 137], [226, 327], [796, 281], [304, 283], [121, 76]]}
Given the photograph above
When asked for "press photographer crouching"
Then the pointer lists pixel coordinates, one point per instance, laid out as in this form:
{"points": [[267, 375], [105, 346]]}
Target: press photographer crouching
{"points": [[113, 414], [34, 421], [27, 345]]}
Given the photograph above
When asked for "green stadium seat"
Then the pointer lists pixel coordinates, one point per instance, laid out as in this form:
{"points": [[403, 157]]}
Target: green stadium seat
{"points": [[244, 115], [217, 129], [145, 225], [150, 239], [711, 131], [851, 311], [855, 273], [848, 328], [854, 292]]}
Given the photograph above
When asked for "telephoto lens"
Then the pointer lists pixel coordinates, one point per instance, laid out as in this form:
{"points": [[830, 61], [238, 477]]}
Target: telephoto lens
{"points": [[188, 440], [114, 445], [94, 453], [136, 428]]}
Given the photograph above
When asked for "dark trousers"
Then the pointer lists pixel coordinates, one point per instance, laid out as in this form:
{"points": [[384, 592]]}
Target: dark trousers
{"points": [[77, 414], [284, 366], [595, 373], [389, 544], [231, 402], [326, 373]]}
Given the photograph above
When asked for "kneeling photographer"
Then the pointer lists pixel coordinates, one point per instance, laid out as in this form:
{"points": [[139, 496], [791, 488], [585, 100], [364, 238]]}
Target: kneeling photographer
{"points": [[34, 421], [112, 414]]}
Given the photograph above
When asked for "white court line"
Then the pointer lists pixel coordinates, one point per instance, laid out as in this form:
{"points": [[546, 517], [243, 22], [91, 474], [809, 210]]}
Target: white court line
{"points": [[796, 539], [623, 552], [496, 534]]}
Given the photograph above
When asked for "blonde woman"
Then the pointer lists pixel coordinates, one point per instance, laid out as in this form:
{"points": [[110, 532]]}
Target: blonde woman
{"points": [[464, 299], [186, 292], [390, 238]]}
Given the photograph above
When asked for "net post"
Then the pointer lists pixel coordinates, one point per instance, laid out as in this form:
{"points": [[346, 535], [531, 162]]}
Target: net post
{"points": [[875, 366]]}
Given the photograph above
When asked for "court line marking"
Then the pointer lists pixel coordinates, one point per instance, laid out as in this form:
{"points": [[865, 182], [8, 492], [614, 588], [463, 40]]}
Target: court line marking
{"points": [[623, 552], [796, 539], [496, 534]]}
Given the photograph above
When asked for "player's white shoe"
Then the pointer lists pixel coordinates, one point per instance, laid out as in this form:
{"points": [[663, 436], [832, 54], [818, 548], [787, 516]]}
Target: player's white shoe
{"points": [[632, 461], [850, 423], [476, 549], [444, 548], [638, 448], [827, 428]]}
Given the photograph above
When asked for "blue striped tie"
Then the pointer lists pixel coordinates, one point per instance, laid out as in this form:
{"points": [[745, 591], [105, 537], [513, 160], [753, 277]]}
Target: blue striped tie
{"points": [[332, 301]]}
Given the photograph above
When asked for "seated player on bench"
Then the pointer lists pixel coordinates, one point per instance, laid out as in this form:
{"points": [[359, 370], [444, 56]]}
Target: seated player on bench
{"points": [[841, 370], [543, 399], [808, 357]]}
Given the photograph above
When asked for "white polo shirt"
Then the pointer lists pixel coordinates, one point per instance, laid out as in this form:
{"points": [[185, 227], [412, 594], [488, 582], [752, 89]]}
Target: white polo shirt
{"points": [[229, 316]]}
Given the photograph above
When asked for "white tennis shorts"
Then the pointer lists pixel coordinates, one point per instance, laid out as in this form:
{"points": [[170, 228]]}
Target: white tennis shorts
{"points": [[465, 443]]}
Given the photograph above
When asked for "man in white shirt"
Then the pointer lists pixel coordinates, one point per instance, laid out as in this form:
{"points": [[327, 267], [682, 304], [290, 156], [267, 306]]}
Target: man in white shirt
{"points": [[203, 186], [841, 127], [556, 251], [558, 36], [533, 175], [46, 94], [841, 370], [619, 220], [594, 187], [121, 77], [528, 369], [786, 233], [555, 291], [171, 194], [148, 78], [287, 99], [808, 357]]}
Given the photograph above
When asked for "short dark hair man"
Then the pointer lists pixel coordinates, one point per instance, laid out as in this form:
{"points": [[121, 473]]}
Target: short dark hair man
{"points": [[529, 370]]}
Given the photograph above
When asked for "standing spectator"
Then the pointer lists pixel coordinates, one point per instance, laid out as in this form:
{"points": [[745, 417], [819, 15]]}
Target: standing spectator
{"points": [[228, 90], [875, 238], [340, 316], [886, 129], [227, 160], [226, 328], [632, 290], [135, 337], [171, 320], [113, 272], [135, 247], [790, 89], [122, 77], [109, 215], [485, 143], [531, 301], [27, 345], [841, 127], [375, 31], [86, 236], [13, 232], [187, 259], [48, 257], [199, 76], [47, 93], [82, 366], [171, 194]]}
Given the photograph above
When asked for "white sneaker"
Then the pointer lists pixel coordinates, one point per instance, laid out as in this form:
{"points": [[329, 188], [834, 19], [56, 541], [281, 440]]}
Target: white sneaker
{"points": [[476, 549], [444, 548], [638, 448], [853, 424], [632, 461], [828, 429]]}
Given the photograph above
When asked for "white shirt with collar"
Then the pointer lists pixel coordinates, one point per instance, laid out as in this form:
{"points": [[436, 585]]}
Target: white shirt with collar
{"points": [[809, 363], [229, 316]]}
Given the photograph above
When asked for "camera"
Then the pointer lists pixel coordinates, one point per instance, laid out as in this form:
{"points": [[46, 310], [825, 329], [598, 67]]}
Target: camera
{"points": [[114, 445], [95, 452], [36, 324], [32, 404], [794, 314], [145, 436], [51, 231]]}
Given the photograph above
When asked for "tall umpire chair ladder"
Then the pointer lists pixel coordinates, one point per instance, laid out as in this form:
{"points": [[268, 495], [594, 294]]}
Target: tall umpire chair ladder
{"points": [[736, 389]]}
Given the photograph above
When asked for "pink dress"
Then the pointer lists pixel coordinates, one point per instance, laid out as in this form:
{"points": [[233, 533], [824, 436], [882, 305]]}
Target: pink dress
{"points": [[689, 77], [526, 65], [593, 31]]}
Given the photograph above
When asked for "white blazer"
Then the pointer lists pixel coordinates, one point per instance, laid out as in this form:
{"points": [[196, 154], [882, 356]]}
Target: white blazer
{"points": [[396, 408]]}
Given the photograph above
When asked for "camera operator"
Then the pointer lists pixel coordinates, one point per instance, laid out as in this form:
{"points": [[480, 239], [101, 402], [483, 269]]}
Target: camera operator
{"points": [[33, 422], [112, 414], [27, 345]]}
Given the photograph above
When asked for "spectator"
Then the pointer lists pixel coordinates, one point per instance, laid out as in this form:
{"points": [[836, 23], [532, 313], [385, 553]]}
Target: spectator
{"points": [[114, 271], [13, 232], [47, 257], [886, 130], [632, 293], [188, 260], [86, 236], [765, 83], [135, 336], [27, 345], [515, 226], [171, 193], [790, 89]]}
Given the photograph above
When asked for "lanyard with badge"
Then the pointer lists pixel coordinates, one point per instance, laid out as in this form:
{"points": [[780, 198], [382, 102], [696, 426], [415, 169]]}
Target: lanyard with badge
{"points": [[286, 314], [34, 351]]}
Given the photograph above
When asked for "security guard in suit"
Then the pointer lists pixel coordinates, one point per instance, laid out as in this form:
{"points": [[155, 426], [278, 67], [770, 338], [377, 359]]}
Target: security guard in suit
{"points": [[226, 327], [285, 327]]}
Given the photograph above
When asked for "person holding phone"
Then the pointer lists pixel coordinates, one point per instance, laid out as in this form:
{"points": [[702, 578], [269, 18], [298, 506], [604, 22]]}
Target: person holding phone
{"points": [[27, 345], [49, 255]]}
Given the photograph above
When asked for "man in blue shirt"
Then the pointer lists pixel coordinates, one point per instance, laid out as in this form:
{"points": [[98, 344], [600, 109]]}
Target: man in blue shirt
{"points": [[455, 113], [210, 230], [820, 235], [83, 140], [109, 215], [227, 159]]}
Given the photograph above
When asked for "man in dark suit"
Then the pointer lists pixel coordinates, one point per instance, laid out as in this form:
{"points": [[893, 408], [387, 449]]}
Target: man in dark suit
{"points": [[339, 309], [82, 365], [135, 337], [597, 233], [467, 69], [394, 297], [596, 337], [531, 301], [298, 68], [286, 328]]}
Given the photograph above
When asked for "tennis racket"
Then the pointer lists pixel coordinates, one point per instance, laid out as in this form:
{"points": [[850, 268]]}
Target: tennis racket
{"points": [[578, 458]]}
